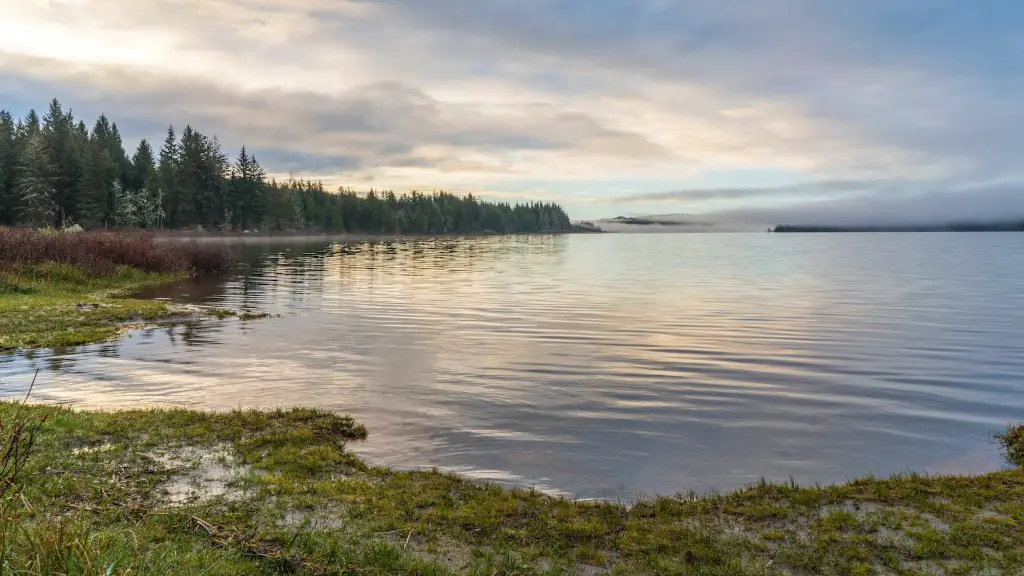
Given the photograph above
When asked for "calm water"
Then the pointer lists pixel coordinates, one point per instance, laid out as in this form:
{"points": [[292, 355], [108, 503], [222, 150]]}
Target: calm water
{"points": [[606, 366]]}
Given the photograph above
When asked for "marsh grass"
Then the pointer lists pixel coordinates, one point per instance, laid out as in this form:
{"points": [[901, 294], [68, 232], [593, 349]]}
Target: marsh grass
{"points": [[100, 253], [61, 289], [1012, 442], [304, 504], [19, 429], [56, 305]]}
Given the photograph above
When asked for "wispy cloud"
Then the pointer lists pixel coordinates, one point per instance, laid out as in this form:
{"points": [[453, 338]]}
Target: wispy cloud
{"points": [[802, 191], [853, 101]]}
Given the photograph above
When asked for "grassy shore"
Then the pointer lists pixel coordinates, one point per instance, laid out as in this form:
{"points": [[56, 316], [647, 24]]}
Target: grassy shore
{"points": [[183, 492], [66, 289], [55, 305]]}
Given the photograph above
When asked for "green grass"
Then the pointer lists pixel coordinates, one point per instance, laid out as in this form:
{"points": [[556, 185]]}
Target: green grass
{"points": [[54, 305], [284, 495]]}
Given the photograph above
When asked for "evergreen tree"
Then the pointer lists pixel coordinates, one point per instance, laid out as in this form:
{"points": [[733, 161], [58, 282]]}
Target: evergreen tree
{"points": [[8, 161], [247, 195], [188, 179], [30, 126], [117, 152], [52, 167], [64, 147], [144, 185], [97, 183], [211, 194], [33, 189], [167, 177], [143, 171]]}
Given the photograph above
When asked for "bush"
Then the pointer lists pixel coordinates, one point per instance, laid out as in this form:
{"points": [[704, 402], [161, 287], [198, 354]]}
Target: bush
{"points": [[101, 252]]}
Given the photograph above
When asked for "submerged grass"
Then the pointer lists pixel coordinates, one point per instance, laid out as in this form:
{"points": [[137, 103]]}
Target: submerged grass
{"points": [[95, 500]]}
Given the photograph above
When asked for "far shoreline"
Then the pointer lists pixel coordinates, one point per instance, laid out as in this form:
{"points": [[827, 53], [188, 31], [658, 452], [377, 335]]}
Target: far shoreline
{"points": [[255, 237]]}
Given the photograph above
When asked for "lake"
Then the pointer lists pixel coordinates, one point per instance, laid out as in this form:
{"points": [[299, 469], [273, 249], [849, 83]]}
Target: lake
{"points": [[604, 366]]}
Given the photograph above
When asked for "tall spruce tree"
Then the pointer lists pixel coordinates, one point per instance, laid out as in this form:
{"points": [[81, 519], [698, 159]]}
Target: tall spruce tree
{"points": [[33, 188], [167, 177], [247, 193], [8, 162], [117, 152], [64, 147], [96, 186], [30, 126], [210, 195], [146, 184], [188, 178], [143, 171]]}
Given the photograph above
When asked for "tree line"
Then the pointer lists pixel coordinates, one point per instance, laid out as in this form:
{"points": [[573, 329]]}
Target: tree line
{"points": [[55, 171]]}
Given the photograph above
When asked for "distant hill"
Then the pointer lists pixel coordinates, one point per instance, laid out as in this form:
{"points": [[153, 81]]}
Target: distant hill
{"points": [[677, 223], [1012, 226], [651, 221]]}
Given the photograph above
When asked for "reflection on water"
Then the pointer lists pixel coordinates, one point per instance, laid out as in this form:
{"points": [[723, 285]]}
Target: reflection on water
{"points": [[605, 365]]}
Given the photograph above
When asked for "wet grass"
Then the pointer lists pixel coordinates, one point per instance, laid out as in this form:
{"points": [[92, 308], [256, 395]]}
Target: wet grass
{"points": [[57, 305], [62, 289], [225, 313], [94, 498]]}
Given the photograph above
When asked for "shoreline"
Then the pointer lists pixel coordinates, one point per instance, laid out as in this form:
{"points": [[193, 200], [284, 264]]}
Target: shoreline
{"points": [[62, 307], [345, 237], [280, 492], [172, 491]]}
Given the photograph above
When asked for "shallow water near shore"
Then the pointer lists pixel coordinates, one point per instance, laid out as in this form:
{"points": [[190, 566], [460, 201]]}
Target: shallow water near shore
{"points": [[603, 366]]}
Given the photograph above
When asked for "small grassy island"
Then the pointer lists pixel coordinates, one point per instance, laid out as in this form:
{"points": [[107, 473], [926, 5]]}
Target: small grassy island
{"points": [[175, 491]]}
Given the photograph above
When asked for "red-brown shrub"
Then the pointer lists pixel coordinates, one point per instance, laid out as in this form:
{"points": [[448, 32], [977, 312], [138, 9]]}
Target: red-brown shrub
{"points": [[100, 252]]}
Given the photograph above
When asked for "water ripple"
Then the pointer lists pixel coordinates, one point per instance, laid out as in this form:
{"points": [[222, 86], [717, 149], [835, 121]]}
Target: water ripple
{"points": [[610, 365]]}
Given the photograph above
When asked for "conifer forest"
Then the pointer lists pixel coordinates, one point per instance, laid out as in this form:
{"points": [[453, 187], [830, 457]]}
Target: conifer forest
{"points": [[56, 171]]}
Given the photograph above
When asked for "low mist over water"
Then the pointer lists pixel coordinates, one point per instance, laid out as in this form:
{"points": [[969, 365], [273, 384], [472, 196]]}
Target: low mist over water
{"points": [[604, 365]]}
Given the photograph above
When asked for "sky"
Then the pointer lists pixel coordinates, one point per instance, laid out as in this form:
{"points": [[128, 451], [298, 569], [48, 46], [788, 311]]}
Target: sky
{"points": [[757, 110]]}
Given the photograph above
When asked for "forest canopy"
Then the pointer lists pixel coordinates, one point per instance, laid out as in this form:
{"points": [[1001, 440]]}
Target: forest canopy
{"points": [[55, 171]]}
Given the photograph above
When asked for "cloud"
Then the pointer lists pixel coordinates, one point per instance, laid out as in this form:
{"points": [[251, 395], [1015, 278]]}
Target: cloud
{"points": [[802, 191], [909, 204], [601, 100], [379, 126]]}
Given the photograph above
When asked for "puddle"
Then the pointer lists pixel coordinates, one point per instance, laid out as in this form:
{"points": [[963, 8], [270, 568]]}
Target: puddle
{"points": [[206, 473]]}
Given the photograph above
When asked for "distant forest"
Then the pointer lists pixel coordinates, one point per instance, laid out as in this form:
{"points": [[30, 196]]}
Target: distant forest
{"points": [[1013, 226], [54, 171]]}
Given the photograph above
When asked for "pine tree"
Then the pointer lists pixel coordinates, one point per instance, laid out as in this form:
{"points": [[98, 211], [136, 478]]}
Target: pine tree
{"points": [[143, 172], [247, 197], [8, 161], [87, 176], [210, 196], [145, 186], [34, 187], [188, 175], [30, 126], [167, 177], [64, 147], [117, 152], [97, 183]]}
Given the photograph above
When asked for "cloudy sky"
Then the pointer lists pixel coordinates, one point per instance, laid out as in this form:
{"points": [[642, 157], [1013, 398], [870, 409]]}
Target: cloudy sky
{"points": [[762, 109]]}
